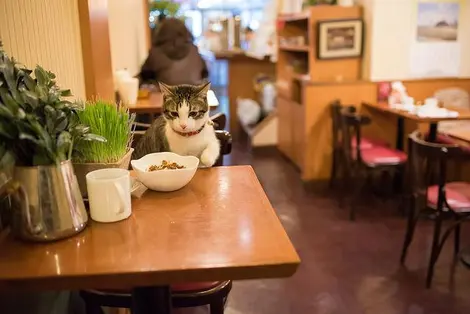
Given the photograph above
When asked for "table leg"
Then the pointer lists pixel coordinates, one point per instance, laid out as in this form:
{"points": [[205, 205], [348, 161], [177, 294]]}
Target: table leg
{"points": [[432, 136], [151, 300], [398, 178], [400, 134]]}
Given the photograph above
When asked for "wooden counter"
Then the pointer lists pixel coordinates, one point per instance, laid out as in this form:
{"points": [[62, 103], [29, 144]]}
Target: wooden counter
{"points": [[241, 71]]}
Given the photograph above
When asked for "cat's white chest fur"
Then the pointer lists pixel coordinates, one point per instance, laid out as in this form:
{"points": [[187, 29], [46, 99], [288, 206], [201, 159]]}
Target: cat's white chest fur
{"points": [[204, 145]]}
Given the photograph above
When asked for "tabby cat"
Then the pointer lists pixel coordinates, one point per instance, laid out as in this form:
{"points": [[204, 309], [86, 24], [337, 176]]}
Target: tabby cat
{"points": [[184, 127]]}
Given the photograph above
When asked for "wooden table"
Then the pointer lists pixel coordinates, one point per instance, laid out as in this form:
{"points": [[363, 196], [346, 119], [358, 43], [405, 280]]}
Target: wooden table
{"points": [[402, 115], [154, 104], [462, 134], [221, 226]]}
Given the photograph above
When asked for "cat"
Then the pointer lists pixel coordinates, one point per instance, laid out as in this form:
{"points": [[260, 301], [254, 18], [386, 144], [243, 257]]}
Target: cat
{"points": [[184, 127]]}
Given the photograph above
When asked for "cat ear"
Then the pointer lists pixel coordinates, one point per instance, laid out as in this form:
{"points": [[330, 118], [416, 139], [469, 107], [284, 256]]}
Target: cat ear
{"points": [[165, 89], [203, 89]]}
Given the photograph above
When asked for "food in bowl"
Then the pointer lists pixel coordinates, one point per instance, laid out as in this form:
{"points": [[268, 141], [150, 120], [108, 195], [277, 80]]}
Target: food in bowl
{"points": [[165, 165], [165, 180]]}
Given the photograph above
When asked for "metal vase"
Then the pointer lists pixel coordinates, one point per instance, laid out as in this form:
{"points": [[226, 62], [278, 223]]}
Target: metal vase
{"points": [[46, 203]]}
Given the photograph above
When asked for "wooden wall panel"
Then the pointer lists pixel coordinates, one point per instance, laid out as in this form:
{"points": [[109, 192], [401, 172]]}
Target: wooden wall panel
{"points": [[96, 49], [45, 32], [335, 69]]}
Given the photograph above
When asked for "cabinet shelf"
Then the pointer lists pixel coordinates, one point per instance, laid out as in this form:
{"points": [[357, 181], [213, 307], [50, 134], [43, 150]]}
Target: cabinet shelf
{"points": [[296, 17], [295, 48]]}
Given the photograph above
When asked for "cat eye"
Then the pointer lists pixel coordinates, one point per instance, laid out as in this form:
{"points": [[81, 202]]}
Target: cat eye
{"points": [[174, 114], [193, 114]]}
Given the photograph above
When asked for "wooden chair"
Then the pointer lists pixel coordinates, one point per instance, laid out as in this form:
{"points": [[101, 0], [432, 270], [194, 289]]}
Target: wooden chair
{"points": [[224, 137], [213, 294], [337, 157], [361, 162], [431, 190]]}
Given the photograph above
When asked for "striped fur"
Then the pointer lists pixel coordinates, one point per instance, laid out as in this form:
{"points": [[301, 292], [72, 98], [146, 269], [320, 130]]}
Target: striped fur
{"points": [[185, 109]]}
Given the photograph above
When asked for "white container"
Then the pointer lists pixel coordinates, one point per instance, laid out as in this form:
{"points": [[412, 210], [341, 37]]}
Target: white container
{"points": [[129, 90], [166, 180], [109, 194]]}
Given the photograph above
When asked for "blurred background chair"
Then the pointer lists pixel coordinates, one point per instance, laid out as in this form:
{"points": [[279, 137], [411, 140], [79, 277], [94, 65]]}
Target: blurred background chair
{"points": [[361, 163], [433, 189]]}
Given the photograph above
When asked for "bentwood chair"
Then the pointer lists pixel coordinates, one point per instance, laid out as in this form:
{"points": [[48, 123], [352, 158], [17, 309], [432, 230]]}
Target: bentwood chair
{"points": [[337, 157], [361, 163], [433, 190], [224, 137], [213, 294]]}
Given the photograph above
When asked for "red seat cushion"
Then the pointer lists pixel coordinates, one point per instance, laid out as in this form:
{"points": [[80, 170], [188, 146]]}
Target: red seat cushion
{"points": [[194, 286], [449, 140], [367, 143], [182, 287], [457, 196], [382, 156]]}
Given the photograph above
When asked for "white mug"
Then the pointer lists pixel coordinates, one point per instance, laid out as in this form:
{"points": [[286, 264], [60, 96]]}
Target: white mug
{"points": [[109, 194], [431, 102]]}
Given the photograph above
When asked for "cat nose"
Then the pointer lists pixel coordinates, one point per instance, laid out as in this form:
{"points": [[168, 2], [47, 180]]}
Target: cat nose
{"points": [[183, 126]]}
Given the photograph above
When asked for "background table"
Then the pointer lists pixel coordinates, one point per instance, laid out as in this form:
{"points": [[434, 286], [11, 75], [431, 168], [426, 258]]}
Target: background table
{"points": [[154, 103], [402, 115], [219, 227]]}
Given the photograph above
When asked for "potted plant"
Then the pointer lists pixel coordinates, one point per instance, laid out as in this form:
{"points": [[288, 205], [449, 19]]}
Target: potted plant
{"points": [[39, 128], [112, 122]]}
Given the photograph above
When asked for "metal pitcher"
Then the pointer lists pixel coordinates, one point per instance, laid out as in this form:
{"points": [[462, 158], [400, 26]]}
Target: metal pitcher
{"points": [[46, 203]]}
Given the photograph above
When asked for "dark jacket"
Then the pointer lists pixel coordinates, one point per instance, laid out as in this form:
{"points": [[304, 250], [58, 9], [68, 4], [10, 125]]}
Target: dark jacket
{"points": [[173, 58]]}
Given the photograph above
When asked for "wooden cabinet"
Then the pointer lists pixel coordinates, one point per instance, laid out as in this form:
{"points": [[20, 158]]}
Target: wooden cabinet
{"points": [[290, 130], [284, 129]]}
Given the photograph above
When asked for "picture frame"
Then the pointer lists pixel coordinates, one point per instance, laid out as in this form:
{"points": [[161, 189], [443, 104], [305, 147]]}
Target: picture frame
{"points": [[340, 39]]}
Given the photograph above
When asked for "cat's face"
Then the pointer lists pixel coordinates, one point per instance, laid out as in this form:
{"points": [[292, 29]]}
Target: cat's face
{"points": [[185, 107]]}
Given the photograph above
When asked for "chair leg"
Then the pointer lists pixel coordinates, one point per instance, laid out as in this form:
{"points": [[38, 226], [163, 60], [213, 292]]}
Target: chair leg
{"points": [[435, 250], [457, 239], [217, 306], [410, 229]]}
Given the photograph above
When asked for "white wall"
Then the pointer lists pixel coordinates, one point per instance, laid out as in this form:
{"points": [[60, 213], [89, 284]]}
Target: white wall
{"points": [[48, 34], [127, 34], [391, 32]]}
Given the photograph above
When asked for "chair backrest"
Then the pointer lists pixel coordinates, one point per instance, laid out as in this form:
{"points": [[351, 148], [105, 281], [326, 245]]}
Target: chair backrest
{"points": [[220, 121], [351, 124], [429, 165], [336, 131]]}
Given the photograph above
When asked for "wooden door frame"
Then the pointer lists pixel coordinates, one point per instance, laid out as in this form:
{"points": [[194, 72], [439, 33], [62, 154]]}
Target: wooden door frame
{"points": [[96, 49]]}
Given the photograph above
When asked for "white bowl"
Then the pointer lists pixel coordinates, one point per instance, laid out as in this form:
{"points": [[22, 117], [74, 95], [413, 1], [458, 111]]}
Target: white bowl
{"points": [[165, 180]]}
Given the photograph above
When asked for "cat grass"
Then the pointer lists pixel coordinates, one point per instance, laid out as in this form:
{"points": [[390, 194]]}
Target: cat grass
{"points": [[111, 121]]}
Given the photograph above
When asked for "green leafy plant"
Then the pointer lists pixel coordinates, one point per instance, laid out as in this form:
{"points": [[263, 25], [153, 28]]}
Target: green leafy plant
{"points": [[165, 7], [37, 125], [113, 123]]}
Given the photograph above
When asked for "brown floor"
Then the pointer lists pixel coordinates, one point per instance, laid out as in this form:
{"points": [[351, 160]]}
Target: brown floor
{"points": [[347, 267]]}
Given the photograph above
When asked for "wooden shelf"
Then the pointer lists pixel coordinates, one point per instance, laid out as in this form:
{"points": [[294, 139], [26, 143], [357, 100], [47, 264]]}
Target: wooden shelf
{"points": [[296, 17], [301, 77], [294, 48]]}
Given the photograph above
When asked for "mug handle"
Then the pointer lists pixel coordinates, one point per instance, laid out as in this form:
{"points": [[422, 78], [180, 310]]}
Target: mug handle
{"points": [[122, 198]]}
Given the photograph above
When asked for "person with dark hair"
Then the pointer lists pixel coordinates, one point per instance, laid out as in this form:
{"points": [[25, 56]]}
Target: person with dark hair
{"points": [[173, 58]]}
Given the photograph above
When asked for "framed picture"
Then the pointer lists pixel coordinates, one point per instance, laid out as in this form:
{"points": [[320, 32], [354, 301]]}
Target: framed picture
{"points": [[340, 39]]}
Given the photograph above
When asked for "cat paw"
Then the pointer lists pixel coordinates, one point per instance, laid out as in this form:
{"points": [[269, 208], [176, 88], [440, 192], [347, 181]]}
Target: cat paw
{"points": [[208, 159]]}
